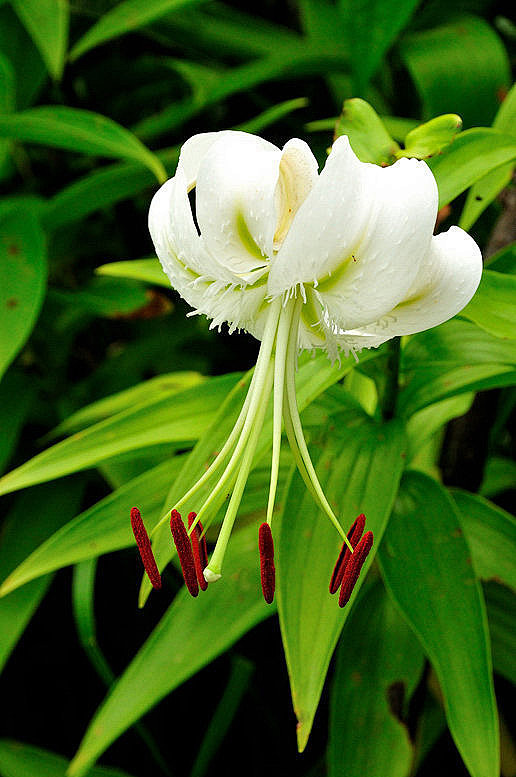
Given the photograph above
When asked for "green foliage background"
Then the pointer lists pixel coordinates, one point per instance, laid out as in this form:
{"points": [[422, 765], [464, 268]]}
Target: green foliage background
{"points": [[110, 396]]}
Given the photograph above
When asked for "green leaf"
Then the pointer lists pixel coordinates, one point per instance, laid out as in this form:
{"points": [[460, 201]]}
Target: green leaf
{"points": [[484, 191], [193, 633], [124, 17], [359, 467], [101, 189], [499, 475], [35, 515], [452, 359], [47, 24], [20, 760], [7, 104], [494, 305], [491, 534], [501, 614], [504, 260], [379, 662], [425, 565], [147, 270], [372, 27], [223, 716], [366, 132], [472, 154], [272, 115], [426, 422], [16, 398], [154, 421], [156, 388], [75, 129], [432, 137], [23, 275], [460, 67]]}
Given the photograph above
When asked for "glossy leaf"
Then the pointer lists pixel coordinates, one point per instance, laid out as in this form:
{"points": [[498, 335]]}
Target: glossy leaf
{"points": [[426, 422], [47, 24], [491, 535], [372, 27], [459, 67], [7, 103], [425, 565], [359, 466], [454, 358], [100, 189], [499, 475], [484, 191], [431, 137], [124, 17], [367, 134], [149, 390], [16, 398], [501, 614], [190, 635], [35, 515], [21, 760], [147, 270], [379, 662], [23, 275], [75, 129], [494, 305], [472, 155], [151, 422]]}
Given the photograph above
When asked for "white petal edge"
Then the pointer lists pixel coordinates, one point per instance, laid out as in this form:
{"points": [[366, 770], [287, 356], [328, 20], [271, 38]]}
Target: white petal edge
{"points": [[195, 149], [447, 281]]}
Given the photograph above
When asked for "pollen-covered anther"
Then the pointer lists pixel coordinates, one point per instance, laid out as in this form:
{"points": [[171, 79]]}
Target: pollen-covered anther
{"points": [[267, 570], [354, 535], [199, 549], [184, 552], [354, 567], [145, 548]]}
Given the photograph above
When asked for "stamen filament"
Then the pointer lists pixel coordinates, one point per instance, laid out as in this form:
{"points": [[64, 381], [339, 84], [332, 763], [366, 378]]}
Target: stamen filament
{"points": [[213, 570], [297, 441], [279, 384]]}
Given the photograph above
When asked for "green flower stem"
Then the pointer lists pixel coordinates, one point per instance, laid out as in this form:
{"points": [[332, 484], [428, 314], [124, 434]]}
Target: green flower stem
{"points": [[390, 393], [215, 565]]}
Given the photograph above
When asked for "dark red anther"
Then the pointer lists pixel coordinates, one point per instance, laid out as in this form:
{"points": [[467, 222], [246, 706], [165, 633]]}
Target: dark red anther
{"points": [[267, 571], [200, 551], [354, 534], [145, 548], [184, 552], [354, 567]]}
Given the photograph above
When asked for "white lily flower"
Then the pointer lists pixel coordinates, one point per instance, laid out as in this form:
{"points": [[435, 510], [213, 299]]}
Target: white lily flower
{"points": [[341, 260]]}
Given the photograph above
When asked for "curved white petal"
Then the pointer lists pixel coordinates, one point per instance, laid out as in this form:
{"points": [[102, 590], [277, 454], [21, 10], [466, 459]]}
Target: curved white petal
{"points": [[207, 286], [449, 277], [298, 173], [195, 149], [359, 237], [235, 201]]}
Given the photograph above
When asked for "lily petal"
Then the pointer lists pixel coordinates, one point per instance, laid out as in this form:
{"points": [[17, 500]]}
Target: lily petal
{"points": [[298, 173], [209, 287], [359, 237], [447, 281], [235, 202]]}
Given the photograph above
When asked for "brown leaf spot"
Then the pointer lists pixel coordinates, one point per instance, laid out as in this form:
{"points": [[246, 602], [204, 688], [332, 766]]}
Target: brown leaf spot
{"points": [[12, 302]]}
